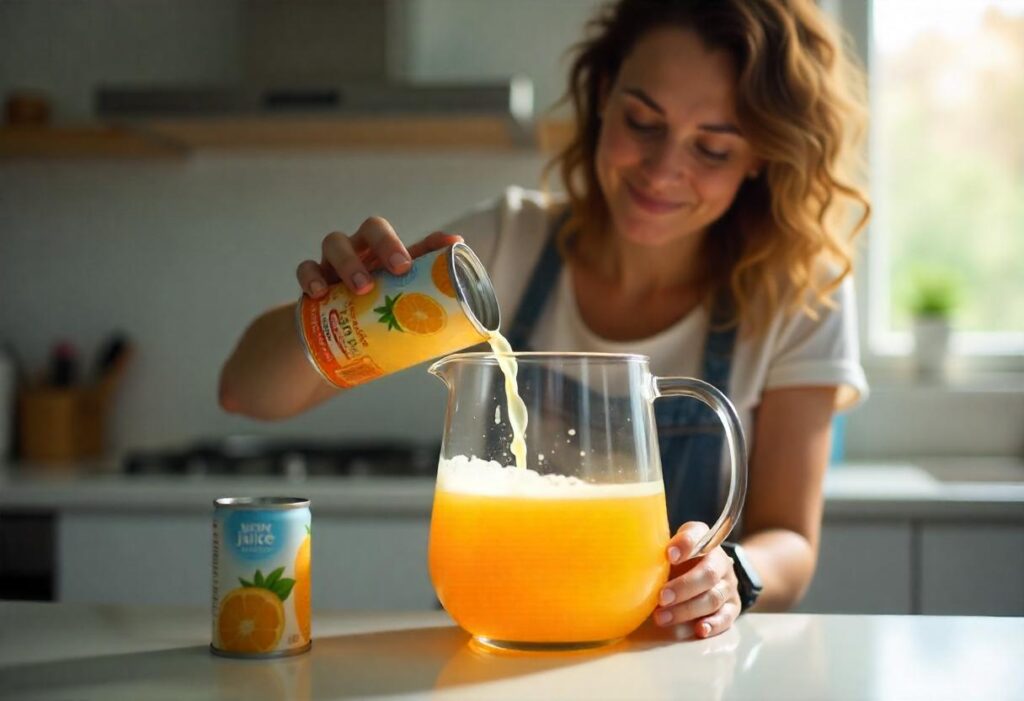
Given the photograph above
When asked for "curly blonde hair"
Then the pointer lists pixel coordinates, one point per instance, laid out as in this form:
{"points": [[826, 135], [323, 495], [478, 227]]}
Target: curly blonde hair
{"points": [[800, 104]]}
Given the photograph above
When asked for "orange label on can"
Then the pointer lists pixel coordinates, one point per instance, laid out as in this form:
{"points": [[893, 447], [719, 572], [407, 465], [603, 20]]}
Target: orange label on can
{"points": [[353, 339]]}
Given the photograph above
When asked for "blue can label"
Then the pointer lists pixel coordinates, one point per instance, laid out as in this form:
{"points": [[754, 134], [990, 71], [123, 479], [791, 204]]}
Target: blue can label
{"points": [[261, 577]]}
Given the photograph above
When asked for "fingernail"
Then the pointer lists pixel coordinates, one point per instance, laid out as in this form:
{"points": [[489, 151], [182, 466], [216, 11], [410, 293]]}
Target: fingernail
{"points": [[360, 280], [674, 555], [662, 617], [398, 260], [667, 597], [316, 288], [704, 630]]}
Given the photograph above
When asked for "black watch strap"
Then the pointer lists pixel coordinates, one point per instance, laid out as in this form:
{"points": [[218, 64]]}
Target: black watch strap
{"points": [[748, 580]]}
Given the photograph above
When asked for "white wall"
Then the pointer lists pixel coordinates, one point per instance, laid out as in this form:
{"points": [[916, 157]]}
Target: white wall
{"points": [[472, 39], [66, 47], [181, 255]]}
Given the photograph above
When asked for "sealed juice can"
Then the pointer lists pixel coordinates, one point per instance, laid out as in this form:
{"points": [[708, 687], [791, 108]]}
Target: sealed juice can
{"points": [[261, 576], [444, 303]]}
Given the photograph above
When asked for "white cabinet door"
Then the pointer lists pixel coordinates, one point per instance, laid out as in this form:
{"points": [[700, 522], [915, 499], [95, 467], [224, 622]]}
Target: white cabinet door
{"points": [[862, 568], [371, 563], [131, 558], [975, 570], [358, 563]]}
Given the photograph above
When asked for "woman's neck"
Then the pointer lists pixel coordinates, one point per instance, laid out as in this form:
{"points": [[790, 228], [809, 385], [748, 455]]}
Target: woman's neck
{"points": [[642, 271]]}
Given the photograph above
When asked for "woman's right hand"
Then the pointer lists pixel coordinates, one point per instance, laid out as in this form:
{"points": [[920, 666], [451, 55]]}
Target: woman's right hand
{"points": [[351, 259]]}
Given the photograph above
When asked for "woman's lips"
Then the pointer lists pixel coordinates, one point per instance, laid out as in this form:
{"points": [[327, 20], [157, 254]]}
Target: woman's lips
{"points": [[651, 204]]}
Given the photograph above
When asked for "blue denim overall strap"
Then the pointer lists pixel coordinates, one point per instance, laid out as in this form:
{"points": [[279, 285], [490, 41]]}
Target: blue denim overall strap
{"points": [[690, 435]]}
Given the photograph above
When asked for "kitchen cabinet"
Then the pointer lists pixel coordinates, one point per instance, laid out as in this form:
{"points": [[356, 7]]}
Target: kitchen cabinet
{"points": [[889, 544], [359, 562], [379, 562], [133, 558], [976, 570], [863, 568]]}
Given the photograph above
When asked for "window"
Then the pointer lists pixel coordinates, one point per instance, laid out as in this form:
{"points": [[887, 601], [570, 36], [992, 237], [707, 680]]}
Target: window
{"points": [[947, 168]]}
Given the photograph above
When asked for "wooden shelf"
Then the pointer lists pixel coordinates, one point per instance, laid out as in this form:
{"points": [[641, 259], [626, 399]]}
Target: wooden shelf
{"points": [[345, 133], [83, 142], [554, 134], [179, 137]]}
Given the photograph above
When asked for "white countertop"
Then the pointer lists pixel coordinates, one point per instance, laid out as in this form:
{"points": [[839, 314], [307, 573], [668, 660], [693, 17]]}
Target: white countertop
{"points": [[868, 490], [65, 651]]}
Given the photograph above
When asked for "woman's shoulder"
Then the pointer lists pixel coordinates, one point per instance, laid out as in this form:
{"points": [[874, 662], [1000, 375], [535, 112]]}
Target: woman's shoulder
{"points": [[810, 297], [517, 218], [818, 316], [515, 207]]}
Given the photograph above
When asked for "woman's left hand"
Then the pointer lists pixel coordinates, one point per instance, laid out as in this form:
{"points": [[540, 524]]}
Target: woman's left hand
{"points": [[701, 592]]}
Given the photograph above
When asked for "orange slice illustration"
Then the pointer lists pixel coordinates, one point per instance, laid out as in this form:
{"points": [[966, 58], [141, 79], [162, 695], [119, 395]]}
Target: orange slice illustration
{"points": [[251, 619], [417, 313], [302, 594], [439, 274]]}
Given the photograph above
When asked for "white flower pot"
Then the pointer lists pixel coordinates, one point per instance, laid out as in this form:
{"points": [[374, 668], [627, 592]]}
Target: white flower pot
{"points": [[931, 347]]}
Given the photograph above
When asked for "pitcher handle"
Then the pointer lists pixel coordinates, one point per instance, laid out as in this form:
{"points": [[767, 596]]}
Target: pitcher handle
{"points": [[726, 412]]}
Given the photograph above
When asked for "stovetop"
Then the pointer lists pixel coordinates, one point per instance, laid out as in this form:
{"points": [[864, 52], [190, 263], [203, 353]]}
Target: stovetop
{"points": [[293, 458]]}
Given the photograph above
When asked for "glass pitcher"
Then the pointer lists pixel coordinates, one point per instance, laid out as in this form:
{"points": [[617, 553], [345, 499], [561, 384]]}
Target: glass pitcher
{"points": [[569, 553]]}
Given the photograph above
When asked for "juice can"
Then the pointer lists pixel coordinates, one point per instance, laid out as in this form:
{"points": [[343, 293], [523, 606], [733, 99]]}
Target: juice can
{"points": [[444, 303], [261, 576]]}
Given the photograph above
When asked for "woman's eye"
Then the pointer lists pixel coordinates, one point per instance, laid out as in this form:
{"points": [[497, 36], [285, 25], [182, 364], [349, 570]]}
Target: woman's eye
{"points": [[642, 127], [717, 156]]}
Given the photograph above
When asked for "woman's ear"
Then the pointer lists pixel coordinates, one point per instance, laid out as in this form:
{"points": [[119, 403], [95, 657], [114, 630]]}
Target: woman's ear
{"points": [[756, 168]]}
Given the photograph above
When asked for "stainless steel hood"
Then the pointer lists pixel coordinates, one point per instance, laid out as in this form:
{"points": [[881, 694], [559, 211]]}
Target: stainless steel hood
{"points": [[512, 98], [382, 114], [319, 58]]}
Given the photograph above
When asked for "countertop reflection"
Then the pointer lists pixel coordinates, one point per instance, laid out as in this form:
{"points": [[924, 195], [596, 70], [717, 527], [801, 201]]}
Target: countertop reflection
{"points": [[117, 652]]}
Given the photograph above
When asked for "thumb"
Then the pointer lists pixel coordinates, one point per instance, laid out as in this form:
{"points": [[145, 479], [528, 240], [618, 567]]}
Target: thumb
{"points": [[683, 544]]}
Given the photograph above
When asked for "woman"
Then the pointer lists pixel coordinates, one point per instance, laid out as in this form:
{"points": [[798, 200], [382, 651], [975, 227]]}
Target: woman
{"points": [[705, 188]]}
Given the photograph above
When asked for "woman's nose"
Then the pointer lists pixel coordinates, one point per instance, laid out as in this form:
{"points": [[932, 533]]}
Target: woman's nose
{"points": [[666, 163]]}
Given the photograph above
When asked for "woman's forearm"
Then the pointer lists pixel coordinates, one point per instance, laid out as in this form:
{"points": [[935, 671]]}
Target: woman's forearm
{"points": [[785, 561], [267, 375]]}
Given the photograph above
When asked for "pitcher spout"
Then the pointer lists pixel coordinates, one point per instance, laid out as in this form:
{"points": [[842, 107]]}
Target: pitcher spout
{"points": [[441, 369]]}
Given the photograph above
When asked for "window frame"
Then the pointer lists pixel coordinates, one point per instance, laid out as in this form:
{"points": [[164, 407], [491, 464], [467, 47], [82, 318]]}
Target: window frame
{"points": [[885, 353]]}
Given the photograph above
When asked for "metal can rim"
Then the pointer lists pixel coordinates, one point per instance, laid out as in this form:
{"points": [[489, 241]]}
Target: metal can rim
{"points": [[486, 295], [261, 503]]}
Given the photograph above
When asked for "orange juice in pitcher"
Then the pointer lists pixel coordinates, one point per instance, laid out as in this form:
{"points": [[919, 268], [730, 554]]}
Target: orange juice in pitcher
{"points": [[520, 556], [444, 303], [563, 546]]}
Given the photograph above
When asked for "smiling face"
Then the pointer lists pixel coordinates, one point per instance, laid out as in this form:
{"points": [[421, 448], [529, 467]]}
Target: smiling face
{"points": [[670, 156]]}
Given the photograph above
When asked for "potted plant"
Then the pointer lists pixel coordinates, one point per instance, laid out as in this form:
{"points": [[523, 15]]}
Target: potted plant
{"points": [[933, 301]]}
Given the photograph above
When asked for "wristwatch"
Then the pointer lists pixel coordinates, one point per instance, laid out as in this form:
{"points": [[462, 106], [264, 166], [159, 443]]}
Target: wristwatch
{"points": [[748, 580]]}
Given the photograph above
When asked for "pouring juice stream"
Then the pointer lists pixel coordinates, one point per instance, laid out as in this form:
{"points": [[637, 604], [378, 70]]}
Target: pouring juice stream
{"points": [[515, 406]]}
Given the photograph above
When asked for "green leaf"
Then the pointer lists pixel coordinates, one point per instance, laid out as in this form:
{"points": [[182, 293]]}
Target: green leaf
{"points": [[309, 531], [283, 588], [259, 579], [387, 313], [273, 577], [244, 583]]}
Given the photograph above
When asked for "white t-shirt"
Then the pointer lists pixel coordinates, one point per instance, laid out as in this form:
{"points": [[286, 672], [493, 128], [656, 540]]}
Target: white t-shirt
{"points": [[509, 234]]}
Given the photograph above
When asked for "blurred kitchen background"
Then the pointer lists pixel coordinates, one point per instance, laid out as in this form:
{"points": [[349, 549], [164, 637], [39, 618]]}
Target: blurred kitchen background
{"points": [[165, 164]]}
